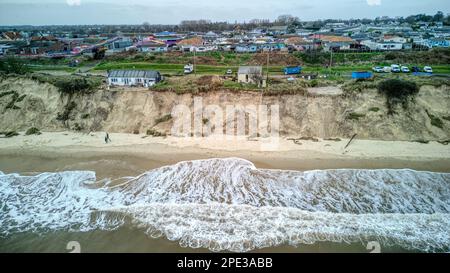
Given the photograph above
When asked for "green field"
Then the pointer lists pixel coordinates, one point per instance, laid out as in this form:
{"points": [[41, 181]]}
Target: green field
{"points": [[212, 69]]}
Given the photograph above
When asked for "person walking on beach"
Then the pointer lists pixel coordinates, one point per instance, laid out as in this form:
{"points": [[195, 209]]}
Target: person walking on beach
{"points": [[107, 139]]}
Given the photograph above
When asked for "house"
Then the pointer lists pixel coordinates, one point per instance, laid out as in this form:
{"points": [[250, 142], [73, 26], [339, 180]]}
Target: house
{"points": [[50, 45], [144, 78], [431, 43], [151, 46], [250, 74], [394, 39], [384, 46], [11, 36], [119, 44], [4, 49], [191, 44], [331, 42], [246, 48], [299, 44]]}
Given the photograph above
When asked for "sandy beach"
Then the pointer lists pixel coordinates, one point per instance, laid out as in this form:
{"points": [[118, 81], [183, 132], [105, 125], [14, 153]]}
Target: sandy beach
{"points": [[129, 154]]}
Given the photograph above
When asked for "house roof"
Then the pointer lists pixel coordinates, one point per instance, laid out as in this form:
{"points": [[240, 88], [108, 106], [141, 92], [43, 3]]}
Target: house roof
{"points": [[332, 38], [295, 41], [250, 69], [11, 35], [195, 41], [151, 43], [133, 74]]}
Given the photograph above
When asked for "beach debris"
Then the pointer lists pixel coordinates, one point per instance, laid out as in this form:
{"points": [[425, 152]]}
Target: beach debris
{"points": [[107, 139], [313, 139], [155, 133], [350, 141], [332, 139], [444, 142], [9, 134], [32, 131], [423, 141]]}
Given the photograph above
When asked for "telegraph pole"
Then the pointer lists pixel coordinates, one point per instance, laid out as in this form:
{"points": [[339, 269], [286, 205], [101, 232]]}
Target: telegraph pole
{"points": [[195, 70], [267, 70]]}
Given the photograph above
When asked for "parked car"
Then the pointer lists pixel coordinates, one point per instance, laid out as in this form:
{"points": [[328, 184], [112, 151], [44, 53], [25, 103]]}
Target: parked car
{"points": [[387, 69], [428, 69], [415, 69], [405, 69], [229, 72], [378, 69], [188, 69], [395, 68]]}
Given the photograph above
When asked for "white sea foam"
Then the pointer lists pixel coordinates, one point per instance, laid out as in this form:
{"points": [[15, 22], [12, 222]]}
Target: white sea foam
{"points": [[228, 204]]}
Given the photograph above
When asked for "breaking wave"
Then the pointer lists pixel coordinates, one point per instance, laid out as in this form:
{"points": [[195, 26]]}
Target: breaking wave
{"points": [[230, 205]]}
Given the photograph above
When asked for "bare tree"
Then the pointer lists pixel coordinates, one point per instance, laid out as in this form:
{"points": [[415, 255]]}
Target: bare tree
{"points": [[255, 75]]}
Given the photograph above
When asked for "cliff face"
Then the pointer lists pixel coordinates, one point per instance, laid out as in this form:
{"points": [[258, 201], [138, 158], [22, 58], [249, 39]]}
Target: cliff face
{"points": [[135, 111]]}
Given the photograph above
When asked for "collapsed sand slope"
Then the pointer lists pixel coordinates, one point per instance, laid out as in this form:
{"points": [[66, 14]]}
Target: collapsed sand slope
{"points": [[136, 110]]}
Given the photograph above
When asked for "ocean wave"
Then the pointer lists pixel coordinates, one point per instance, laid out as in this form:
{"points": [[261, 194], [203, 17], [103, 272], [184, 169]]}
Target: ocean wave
{"points": [[229, 204]]}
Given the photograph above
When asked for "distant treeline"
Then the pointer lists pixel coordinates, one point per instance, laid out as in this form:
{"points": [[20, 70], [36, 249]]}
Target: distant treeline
{"points": [[292, 22]]}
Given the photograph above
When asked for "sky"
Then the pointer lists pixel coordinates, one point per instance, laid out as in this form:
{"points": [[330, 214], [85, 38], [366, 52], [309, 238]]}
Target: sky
{"points": [[80, 12]]}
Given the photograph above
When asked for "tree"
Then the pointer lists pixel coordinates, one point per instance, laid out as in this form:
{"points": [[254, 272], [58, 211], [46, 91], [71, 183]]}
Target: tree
{"points": [[287, 19], [146, 26], [439, 17], [99, 53], [255, 75]]}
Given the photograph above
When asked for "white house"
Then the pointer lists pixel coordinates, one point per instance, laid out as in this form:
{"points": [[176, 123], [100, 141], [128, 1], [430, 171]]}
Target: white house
{"points": [[382, 45], [144, 78]]}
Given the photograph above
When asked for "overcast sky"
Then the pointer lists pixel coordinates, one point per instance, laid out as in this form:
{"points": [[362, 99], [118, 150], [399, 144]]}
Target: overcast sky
{"points": [[48, 12]]}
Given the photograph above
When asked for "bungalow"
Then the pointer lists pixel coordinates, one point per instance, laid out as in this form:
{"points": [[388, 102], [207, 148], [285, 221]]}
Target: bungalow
{"points": [[144, 78], [250, 74], [191, 44], [151, 46], [385, 46], [246, 48], [11, 36], [272, 47], [299, 44], [431, 43]]}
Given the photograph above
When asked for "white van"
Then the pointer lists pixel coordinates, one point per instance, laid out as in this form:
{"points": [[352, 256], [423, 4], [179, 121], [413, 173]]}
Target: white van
{"points": [[395, 68]]}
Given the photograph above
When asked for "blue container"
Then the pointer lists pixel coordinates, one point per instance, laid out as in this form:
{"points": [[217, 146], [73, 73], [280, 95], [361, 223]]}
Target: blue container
{"points": [[361, 75], [291, 70]]}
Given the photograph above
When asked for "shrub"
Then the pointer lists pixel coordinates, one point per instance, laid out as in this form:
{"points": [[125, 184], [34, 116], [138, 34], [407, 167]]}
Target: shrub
{"points": [[32, 131], [397, 91], [73, 85], [78, 127], [314, 83], [155, 133], [435, 121], [12, 65], [163, 118], [12, 103], [10, 134], [85, 116], [355, 116], [67, 110]]}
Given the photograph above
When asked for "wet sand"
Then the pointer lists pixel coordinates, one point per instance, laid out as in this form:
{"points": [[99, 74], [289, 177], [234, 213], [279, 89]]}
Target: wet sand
{"points": [[129, 154]]}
